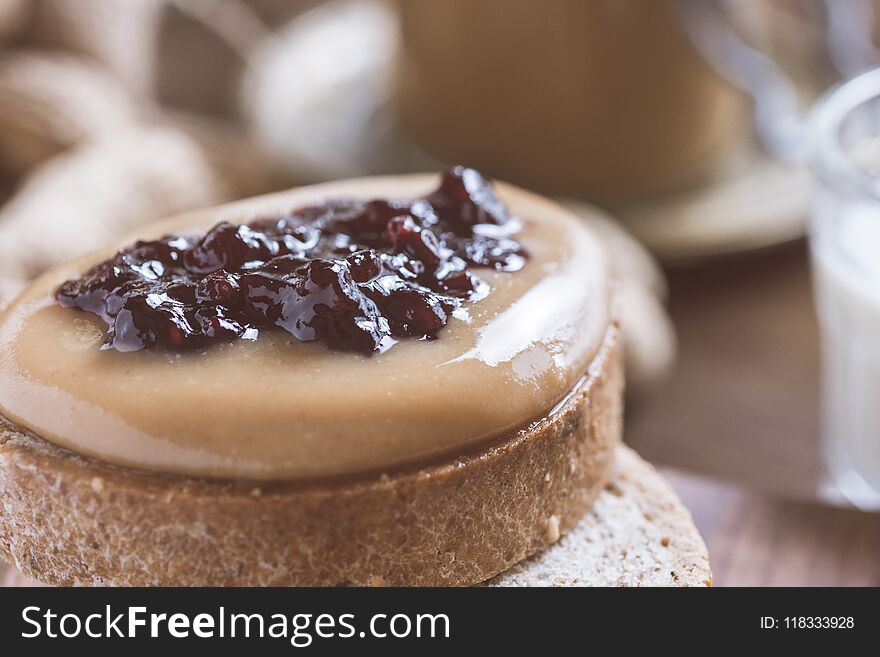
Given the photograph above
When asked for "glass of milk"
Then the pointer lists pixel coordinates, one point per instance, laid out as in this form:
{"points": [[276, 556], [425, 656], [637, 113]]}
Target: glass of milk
{"points": [[845, 245]]}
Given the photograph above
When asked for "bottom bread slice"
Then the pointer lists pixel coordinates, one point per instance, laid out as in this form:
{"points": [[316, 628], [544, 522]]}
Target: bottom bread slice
{"points": [[638, 533]]}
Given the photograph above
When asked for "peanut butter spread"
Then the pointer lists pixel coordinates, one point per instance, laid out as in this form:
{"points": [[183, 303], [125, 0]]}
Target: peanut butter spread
{"points": [[279, 408]]}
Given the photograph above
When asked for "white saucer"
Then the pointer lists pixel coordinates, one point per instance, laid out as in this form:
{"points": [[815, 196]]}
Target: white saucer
{"points": [[755, 202]]}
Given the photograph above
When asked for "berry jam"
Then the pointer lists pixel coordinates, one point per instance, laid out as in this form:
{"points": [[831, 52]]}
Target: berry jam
{"points": [[357, 275]]}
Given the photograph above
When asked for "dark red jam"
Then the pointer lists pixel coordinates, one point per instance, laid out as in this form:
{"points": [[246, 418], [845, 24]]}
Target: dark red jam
{"points": [[357, 275]]}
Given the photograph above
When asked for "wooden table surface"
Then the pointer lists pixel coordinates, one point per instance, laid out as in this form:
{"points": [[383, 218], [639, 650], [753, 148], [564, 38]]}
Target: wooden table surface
{"points": [[735, 429], [740, 417], [757, 539]]}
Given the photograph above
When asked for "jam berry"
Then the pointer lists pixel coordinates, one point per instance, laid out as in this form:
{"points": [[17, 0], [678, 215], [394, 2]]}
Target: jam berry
{"points": [[218, 288], [405, 236], [358, 276]]}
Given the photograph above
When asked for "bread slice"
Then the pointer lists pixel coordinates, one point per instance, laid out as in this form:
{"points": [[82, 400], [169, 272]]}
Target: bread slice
{"points": [[69, 520], [637, 534]]}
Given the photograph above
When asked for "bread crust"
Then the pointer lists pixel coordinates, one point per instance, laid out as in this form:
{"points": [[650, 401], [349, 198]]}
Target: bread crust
{"points": [[70, 520]]}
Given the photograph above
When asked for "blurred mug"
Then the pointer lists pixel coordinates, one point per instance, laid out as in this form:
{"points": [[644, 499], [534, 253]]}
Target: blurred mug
{"points": [[601, 99]]}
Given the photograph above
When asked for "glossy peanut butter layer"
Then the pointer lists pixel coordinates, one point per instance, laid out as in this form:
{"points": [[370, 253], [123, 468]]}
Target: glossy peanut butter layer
{"points": [[277, 408]]}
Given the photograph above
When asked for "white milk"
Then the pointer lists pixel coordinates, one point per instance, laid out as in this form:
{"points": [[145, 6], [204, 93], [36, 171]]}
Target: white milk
{"points": [[846, 255]]}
